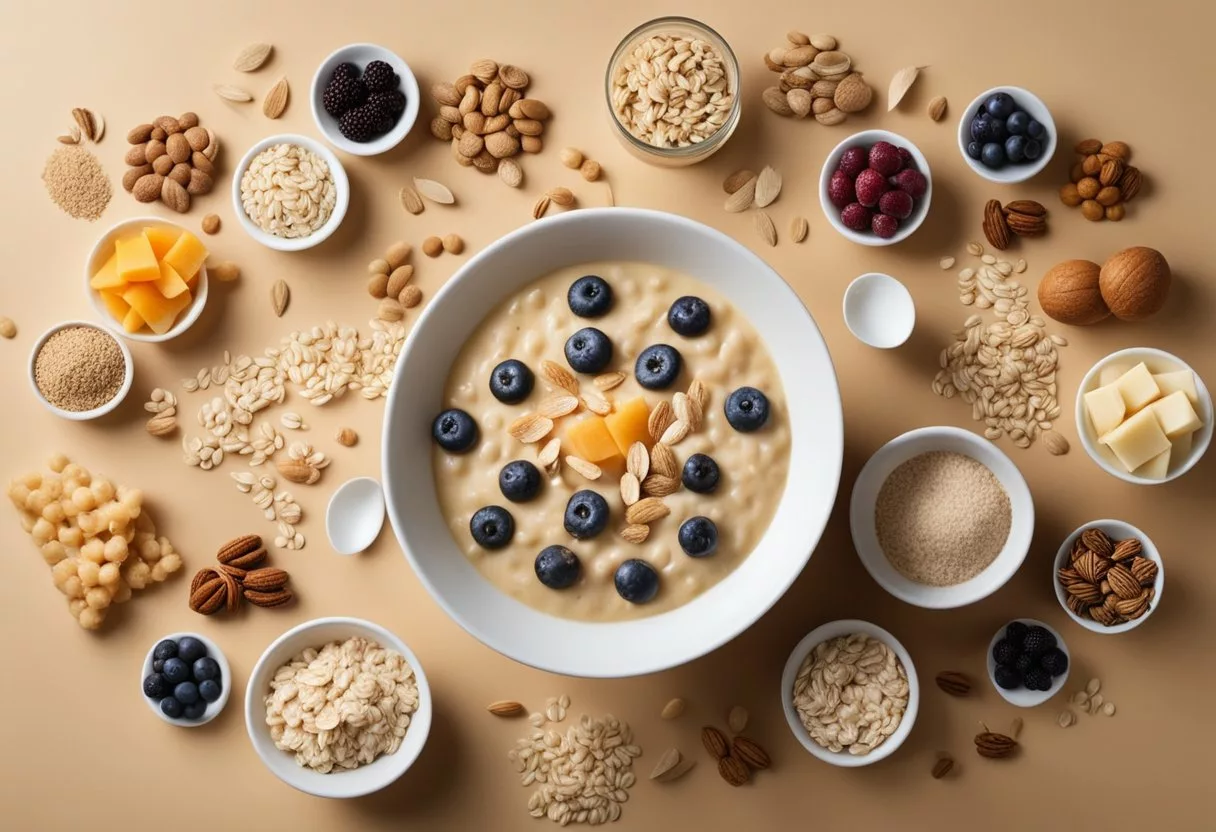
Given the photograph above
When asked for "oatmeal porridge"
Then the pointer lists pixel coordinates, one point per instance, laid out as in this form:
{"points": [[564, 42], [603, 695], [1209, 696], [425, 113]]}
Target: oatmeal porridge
{"points": [[615, 442]]}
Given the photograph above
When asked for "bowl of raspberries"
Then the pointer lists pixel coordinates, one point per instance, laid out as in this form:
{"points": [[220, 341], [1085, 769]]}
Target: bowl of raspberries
{"points": [[364, 99], [875, 188], [1027, 662]]}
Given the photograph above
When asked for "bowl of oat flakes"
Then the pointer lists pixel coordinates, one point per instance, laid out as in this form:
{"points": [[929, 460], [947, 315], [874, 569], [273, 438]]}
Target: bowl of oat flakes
{"points": [[338, 707]]}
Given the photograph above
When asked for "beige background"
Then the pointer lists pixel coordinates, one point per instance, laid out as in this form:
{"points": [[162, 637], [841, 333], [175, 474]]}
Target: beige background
{"points": [[83, 750]]}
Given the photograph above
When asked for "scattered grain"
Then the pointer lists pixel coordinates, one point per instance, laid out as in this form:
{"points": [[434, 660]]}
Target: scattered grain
{"points": [[76, 182]]}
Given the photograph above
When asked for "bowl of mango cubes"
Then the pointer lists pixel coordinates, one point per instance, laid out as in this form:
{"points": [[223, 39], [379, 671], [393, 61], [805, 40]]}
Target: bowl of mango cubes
{"points": [[148, 279]]}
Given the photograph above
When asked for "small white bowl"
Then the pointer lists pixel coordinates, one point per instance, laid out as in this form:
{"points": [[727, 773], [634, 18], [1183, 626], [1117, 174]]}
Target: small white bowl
{"points": [[341, 185], [832, 630], [366, 779], [213, 708], [1022, 697], [83, 415], [1158, 361], [361, 54], [1116, 530], [865, 537], [867, 138], [1009, 174], [101, 252], [879, 310]]}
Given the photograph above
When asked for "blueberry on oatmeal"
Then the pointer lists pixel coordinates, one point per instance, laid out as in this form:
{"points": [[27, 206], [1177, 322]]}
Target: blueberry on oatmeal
{"points": [[658, 366], [586, 515], [698, 537], [746, 409], [455, 431], [636, 581], [557, 567], [511, 381], [492, 527], [519, 481], [589, 350], [700, 473], [689, 316], [590, 296]]}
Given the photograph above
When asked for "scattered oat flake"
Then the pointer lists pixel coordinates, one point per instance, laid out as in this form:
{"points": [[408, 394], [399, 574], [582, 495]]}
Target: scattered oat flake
{"points": [[946, 262], [1108, 709], [1093, 686], [975, 249], [673, 708], [587, 469], [1066, 718]]}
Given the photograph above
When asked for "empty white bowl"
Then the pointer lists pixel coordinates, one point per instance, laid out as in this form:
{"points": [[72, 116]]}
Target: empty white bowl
{"points": [[1023, 697], [341, 186], [101, 252], [361, 54], [865, 537], [213, 708], [355, 515], [82, 415], [366, 779], [1158, 361], [866, 139], [879, 310], [832, 630], [1009, 174], [657, 642], [1116, 530]]}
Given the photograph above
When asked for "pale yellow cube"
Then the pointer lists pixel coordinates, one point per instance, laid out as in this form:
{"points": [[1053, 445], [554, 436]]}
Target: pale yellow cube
{"points": [[1176, 415], [1138, 388], [1183, 380], [1182, 446], [1137, 440], [1111, 372], [1156, 468], [1106, 408]]}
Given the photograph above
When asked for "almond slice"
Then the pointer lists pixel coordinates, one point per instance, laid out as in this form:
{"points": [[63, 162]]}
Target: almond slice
{"points": [[434, 191], [697, 390], [646, 511], [252, 57], [588, 469], [743, 198], [687, 409], [531, 427], [596, 403], [675, 433], [768, 187], [548, 454], [658, 485], [608, 381], [559, 376], [637, 460], [631, 489], [558, 406]]}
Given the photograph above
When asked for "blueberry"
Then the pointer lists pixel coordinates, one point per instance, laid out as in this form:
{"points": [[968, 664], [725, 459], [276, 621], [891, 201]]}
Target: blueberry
{"points": [[194, 710], [190, 649], [1017, 123], [176, 670], [1036, 130], [700, 473], [1015, 148], [590, 296], [156, 686], [454, 430], [586, 514], [1033, 149], [997, 131], [158, 665], [186, 692], [511, 381], [557, 567], [1000, 105], [171, 708], [636, 581], [698, 537], [973, 150], [166, 649], [209, 690], [1007, 678], [492, 527], [658, 366], [206, 668], [519, 481], [746, 409], [689, 316], [588, 350], [993, 155], [979, 126]]}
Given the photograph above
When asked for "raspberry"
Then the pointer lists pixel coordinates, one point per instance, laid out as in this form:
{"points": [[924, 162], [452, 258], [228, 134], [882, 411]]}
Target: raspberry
{"points": [[896, 204], [884, 226], [905, 156], [855, 216], [840, 189], [379, 77], [911, 182], [853, 161], [884, 158], [870, 186]]}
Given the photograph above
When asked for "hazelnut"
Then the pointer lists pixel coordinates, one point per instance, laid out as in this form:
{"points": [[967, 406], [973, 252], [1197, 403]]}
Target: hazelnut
{"points": [[1092, 210], [1092, 165], [1077, 173], [432, 246], [1118, 150], [1135, 283], [1070, 196], [1070, 293], [1108, 196], [1115, 212], [1088, 187]]}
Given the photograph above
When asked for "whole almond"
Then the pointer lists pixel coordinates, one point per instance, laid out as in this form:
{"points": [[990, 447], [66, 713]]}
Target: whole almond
{"points": [[280, 296], [275, 102], [506, 708], [148, 187], [174, 195], [178, 148], [410, 296], [445, 94], [777, 101], [646, 511], [532, 109], [397, 280], [197, 182], [561, 196], [139, 134], [132, 176], [663, 460], [513, 76], [162, 424], [937, 108]]}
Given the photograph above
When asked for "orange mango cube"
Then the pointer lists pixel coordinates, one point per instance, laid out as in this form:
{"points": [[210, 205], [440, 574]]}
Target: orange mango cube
{"points": [[589, 439], [115, 305], [186, 256], [161, 238], [131, 322], [107, 276], [629, 424], [170, 284], [157, 311], [136, 260]]}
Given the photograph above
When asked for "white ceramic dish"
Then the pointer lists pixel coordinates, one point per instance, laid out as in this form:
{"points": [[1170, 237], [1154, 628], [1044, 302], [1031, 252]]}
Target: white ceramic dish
{"points": [[867, 138], [355, 515], [1158, 361], [1022, 697], [213, 708], [82, 415], [879, 310], [865, 538], [340, 784], [808, 643], [361, 54], [101, 252], [1116, 530], [658, 642], [1009, 174], [341, 184]]}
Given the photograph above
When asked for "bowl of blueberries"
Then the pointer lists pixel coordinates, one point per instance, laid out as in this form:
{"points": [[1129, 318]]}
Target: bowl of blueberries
{"points": [[364, 99], [1027, 662], [186, 679], [1007, 135]]}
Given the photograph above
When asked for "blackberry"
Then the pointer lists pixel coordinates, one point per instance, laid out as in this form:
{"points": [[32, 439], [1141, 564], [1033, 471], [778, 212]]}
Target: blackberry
{"points": [[1004, 652], [1015, 633], [1007, 678], [361, 123], [343, 94], [344, 70], [1037, 679], [1038, 641], [1054, 661], [393, 102], [1023, 663], [379, 77]]}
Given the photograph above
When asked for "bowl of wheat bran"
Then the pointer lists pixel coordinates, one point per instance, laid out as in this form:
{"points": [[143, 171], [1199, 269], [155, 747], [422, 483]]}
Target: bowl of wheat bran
{"points": [[941, 518], [80, 371]]}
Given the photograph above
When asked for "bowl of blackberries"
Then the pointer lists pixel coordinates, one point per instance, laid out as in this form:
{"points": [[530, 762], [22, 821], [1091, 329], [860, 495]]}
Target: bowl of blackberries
{"points": [[1007, 134], [875, 188], [186, 679], [364, 99], [1027, 662]]}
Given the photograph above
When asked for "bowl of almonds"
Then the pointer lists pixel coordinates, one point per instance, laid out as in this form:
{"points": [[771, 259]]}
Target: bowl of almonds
{"points": [[1108, 576]]}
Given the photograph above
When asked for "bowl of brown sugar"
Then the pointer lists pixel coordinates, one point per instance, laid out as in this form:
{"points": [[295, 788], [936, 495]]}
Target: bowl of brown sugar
{"points": [[941, 518], [80, 371]]}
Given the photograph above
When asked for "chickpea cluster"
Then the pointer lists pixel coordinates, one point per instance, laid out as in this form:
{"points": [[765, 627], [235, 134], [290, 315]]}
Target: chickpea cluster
{"points": [[94, 535]]}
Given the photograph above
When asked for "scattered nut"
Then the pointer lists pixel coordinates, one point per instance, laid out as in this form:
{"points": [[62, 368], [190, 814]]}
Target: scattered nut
{"points": [[452, 244], [347, 437], [432, 246], [211, 224]]}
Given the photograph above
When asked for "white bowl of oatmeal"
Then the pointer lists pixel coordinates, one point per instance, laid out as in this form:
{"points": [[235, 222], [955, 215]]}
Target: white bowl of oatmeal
{"points": [[511, 302], [954, 511], [352, 656]]}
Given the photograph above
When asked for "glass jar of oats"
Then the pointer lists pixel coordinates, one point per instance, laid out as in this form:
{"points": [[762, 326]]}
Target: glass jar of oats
{"points": [[673, 91]]}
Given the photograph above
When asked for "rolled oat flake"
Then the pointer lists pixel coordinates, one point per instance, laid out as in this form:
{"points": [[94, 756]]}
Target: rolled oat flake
{"points": [[79, 368]]}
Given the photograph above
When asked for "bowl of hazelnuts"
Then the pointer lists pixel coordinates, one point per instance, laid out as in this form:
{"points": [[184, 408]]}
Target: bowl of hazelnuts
{"points": [[171, 160]]}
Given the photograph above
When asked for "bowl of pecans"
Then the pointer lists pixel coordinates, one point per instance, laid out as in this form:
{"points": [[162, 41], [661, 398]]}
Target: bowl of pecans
{"points": [[1108, 576]]}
